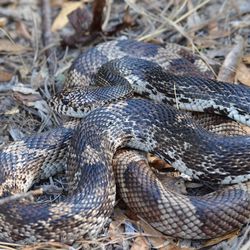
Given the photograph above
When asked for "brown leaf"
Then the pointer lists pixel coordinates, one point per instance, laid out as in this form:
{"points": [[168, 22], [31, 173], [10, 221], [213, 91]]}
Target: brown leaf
{"points": [[22, 30], [140, 243], [216, 32], [10, 47], [27, 100], [62, 19], [175, 247], [205, 42], [5, 76], [115, 230], [219, 239], [158, 240], [243, 74], [157, 163], [227, 70], [3, 21], [246, 59], [80, 19]]}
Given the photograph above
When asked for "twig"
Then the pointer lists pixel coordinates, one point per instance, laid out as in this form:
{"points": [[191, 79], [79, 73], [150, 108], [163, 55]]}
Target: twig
{"points": [[108, 12], [96, 25], [21, 196], [47, 37], [230, 64]]}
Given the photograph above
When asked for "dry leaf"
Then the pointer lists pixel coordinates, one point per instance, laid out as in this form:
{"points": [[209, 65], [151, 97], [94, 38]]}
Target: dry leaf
{"points": [[175, 247], [27, 100], [56, 3], [227, 70], [3, 21], [205, 42], [25, 95], [215, 31], [158, 240], [140, 243], [62, 19], [5, 76], [246, 59], [243, 74], [80, 20], [219, 239], [10, 47], [22, 30], [157, 163], [115, 229]]}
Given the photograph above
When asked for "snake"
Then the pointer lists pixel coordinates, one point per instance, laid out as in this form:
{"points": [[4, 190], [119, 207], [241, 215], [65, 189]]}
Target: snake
{"points": [[121, 118]]}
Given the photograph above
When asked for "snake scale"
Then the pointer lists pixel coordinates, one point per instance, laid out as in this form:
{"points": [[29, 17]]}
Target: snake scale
{"points": [[89, 147]]}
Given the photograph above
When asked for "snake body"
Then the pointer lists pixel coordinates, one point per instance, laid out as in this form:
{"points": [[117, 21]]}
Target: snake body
{"points": [[135, 123], [163, 208], [169, 75]]}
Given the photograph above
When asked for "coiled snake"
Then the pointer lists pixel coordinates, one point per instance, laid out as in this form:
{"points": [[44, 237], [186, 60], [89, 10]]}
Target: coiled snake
{"points": [[169, 75]]}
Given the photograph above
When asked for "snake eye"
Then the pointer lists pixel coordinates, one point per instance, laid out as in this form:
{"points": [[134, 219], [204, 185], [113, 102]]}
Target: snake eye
{"points": [[65, 101]]}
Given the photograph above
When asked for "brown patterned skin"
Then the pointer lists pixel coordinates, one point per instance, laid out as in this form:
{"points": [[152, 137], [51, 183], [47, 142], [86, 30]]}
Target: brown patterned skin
{"points": [[136, 123], [170, 75], [175, 214]]}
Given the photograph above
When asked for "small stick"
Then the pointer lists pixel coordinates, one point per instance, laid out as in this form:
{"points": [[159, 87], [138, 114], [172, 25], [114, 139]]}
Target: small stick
{"points": [[47, 37], [21, 195], [230, 64]]}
